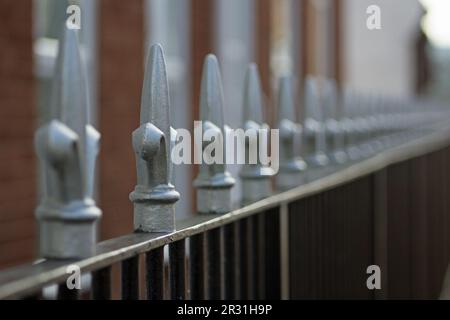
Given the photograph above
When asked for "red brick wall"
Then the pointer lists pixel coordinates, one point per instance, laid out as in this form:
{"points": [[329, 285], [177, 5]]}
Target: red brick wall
{"points": [[17, 124], [121, 58]]}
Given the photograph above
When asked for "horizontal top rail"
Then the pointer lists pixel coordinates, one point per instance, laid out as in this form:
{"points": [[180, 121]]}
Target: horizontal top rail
{"points": [[24, 280]]}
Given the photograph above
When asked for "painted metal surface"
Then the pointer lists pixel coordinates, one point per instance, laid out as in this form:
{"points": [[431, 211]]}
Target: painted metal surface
{"points": [[292, 167], [154, 195], [256, 178], [213, 182], [67, 147]]}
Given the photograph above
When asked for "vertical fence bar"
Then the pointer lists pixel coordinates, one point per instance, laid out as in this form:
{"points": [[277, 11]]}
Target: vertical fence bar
{"points": [[231, 263], [154, 196], [418, 215], [197, 266], [101, 284], [332, 210], [324, 244], [255, 268], [272, 254], [215, 271], [380, 230], [246, 258], [299, 245], [398, 234], [438, 261], [129, 278], [154, 264], [259, 259], [177, 252]]}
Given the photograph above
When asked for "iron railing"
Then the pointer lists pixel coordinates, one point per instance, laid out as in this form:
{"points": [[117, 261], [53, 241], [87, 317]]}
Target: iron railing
{"points": [[370, 186]]}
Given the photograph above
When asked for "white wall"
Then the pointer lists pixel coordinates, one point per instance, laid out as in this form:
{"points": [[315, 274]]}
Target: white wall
{"points": [[381, 60]]}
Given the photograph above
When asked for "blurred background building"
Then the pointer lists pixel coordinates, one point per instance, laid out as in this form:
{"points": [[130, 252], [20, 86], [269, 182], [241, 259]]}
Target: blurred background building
{"points": [[408, 55]]}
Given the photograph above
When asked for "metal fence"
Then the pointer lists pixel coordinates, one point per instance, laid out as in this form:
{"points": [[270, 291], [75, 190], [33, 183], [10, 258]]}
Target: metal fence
{"points": [[363, 180]]}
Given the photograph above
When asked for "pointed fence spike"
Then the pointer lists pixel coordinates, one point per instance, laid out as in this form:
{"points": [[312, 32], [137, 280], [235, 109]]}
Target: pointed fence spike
{"points": [[335, 132], [213, 182], [363, 126], [286, 103], [255, 177], [350, 125], [67, 148], [154, 196], [313, 109], [376, 121], [292, 167], [330, 99], [211, 95], [315, 139], [253, 105]]}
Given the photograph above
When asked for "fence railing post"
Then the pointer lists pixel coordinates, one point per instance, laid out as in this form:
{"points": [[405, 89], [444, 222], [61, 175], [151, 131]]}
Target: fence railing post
{"points": [[255, 177], [154, 196], [213, 182], [292, 167], [67, 147]]}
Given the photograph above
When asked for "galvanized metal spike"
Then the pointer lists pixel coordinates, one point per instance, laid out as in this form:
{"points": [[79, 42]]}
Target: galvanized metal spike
{"points": [[211, 95], [329, 98], [292, 167], [362, 126], [286, 102], [213, 182], [256, 184], [315, 139], [253, 95], [154, 196], [335, 132], [374, 123], [67, 81], [351, 133], [67, 147]]}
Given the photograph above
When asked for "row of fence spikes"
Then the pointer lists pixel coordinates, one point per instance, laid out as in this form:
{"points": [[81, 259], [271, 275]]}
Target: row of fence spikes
{"points": [[338, 127]]}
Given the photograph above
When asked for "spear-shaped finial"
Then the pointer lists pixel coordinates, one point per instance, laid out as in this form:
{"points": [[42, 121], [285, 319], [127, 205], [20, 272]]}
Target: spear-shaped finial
{"points": [[361, 125], [315, 139], [373, 122], [154, 196], [335, 133], [213, 182], [67, 147], [255, 177], [292, 167]]}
